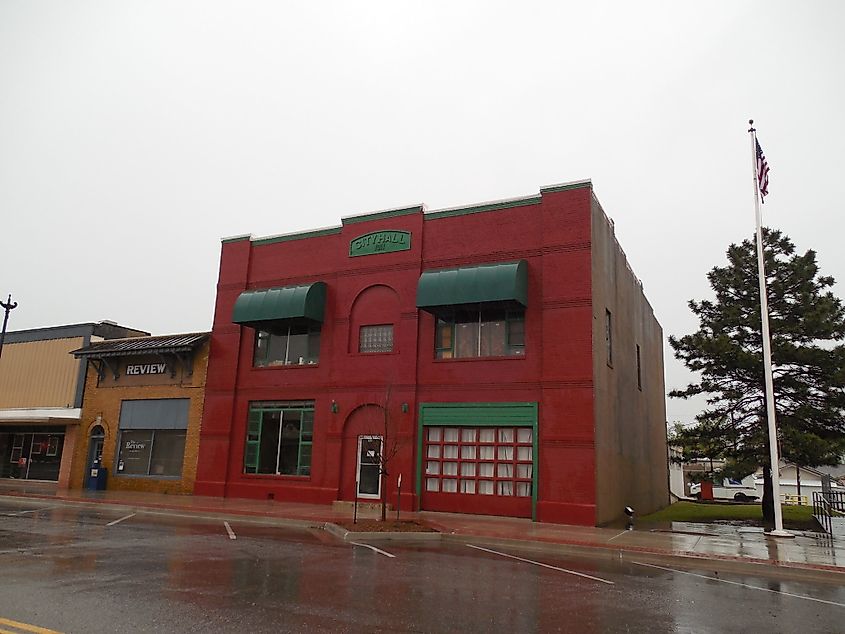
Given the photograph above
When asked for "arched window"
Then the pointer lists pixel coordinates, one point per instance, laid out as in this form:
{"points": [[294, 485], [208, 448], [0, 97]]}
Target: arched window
{"points": [[373, 320]]}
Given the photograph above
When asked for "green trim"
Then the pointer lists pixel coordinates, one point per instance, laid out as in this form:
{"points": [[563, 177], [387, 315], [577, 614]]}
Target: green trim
{"points": [[380, 215], [303, 235], [505, 282], [251, 448], [476, 209], [481, 415], [245, 236], [257, 307], [419, 456], [478, 414], [256, 423], [534, 467], [565, 187]]}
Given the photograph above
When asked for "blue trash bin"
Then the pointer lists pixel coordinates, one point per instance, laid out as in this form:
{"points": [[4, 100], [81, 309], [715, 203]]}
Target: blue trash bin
{"points": [[97, 478]]}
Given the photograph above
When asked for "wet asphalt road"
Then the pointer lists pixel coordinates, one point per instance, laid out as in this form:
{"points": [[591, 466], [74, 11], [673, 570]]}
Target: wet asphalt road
{"points": [[66, 569]]}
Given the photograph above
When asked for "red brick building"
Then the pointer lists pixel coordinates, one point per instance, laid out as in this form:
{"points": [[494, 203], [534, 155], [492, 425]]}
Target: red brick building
{"points": [[500, 357]]}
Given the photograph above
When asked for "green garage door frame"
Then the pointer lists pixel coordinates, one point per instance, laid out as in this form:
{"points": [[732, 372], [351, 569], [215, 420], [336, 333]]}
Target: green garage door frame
{"points": [[480, 415]]}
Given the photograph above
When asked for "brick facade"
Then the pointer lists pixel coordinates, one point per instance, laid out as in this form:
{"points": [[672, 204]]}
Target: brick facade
{"points": [[102, 405], [553, 432]]}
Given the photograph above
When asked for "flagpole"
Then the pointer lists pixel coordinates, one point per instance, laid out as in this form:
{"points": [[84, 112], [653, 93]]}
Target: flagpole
{"points": [[767, 347]]}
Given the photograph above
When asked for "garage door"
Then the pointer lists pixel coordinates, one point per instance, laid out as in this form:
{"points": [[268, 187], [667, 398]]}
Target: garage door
{"points": [[485, 470]]}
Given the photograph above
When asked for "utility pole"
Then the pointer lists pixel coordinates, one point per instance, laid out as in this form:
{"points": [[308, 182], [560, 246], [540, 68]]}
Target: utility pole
{"points": [[8, 306]]}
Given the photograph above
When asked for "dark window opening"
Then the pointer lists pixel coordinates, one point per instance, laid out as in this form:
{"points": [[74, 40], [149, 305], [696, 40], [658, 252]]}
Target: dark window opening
{"points": [[151, 452], [481, 333], [279, 438], [290, 344], [608, 337], [639, 370]]}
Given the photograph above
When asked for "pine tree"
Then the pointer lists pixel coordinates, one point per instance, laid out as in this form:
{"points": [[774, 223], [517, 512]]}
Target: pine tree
{"points": [[806, 320]]}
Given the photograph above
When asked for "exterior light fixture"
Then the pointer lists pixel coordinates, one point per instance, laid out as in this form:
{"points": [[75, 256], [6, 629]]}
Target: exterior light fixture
{"points": [[335, 408], [404, 408], [629, 525]]}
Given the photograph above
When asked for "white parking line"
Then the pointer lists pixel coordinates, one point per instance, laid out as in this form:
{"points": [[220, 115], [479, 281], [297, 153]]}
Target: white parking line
{"points": [[229, 530], [121, 519], [737, 583], [615, 536], [46, 508], [378, 550], [539, 563]]}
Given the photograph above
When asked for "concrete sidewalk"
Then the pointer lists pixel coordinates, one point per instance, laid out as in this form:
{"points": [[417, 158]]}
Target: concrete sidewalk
{"points": [[715, 543]]}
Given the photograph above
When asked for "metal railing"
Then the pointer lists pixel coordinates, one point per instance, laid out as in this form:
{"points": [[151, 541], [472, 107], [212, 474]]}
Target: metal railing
{"points": [[826, 506]]}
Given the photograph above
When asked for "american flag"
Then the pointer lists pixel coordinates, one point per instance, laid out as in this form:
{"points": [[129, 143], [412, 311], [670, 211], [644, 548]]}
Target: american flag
{"points": [[762, 173]]}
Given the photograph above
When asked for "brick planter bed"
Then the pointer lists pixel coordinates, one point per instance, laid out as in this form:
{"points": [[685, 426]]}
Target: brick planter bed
{"points": [[389, 526]]}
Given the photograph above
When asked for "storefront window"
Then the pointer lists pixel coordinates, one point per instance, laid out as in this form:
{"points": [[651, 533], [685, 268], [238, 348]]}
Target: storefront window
{"points": [[481, 333], [33, 453], [152, 437], [290, 344], [279, 438], [151, 452]]}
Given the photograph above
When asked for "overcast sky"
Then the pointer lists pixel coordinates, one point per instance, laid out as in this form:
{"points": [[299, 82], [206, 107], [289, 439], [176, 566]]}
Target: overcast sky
{"points": [[134, 135]]}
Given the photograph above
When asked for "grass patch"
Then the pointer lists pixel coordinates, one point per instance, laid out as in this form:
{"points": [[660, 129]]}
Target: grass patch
{"points": [[795, 517]]}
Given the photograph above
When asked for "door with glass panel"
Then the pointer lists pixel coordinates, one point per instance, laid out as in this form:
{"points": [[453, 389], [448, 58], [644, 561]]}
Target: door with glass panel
{"points": [[484, 470], [368, 475]]}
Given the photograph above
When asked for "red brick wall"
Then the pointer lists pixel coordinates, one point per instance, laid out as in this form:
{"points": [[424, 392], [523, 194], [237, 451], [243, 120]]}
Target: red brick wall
{"points": [[552, 233]]}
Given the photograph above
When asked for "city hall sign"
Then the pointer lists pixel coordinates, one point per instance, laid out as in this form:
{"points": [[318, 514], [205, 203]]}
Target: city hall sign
{"points": [[380, 242]]}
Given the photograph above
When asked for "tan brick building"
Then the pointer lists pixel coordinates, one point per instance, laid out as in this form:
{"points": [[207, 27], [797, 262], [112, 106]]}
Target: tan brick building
{"points": [[142, 412], [41, 394]]}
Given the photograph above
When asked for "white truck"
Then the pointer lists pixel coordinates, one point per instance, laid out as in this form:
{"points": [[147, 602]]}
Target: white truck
{"points": [[738, 490]]}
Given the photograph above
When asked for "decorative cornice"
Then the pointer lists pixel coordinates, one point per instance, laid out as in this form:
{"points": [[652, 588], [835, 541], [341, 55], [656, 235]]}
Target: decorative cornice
{"points": [[564, 187], [495, 205], [381, 215], [302, 235]]}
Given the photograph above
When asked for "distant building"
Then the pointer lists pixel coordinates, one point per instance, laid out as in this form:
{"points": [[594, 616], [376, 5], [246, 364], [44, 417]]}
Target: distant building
{"points": [[41, 397], [677, 486], [504, 352], [142, 412]]}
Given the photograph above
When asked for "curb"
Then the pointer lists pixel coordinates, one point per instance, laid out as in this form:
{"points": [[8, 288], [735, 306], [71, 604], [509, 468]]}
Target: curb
{"points": [[410, 536]]}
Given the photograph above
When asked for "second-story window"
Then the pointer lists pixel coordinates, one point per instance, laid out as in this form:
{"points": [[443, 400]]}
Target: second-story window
{"points": [[481, 333], [290, 344], [376, 338]]}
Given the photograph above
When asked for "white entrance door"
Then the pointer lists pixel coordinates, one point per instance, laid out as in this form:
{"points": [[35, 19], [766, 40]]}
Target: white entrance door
{"points": [[368, 476]]}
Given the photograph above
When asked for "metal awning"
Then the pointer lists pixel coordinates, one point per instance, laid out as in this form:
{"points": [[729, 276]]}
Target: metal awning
{"points": [[139, 346], [501, 283], [254, 308]]}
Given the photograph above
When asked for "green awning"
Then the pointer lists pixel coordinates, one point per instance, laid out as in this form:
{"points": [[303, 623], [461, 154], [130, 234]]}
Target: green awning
{"points": [[503, 283], [254, 308]]}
